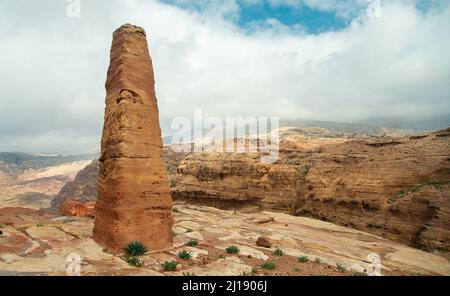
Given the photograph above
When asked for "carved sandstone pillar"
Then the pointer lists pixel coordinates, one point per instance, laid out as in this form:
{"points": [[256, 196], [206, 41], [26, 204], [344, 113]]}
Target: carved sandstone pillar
{"points": [[133, 201]]}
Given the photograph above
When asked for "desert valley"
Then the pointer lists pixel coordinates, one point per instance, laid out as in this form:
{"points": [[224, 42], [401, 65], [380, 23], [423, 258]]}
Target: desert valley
{"points": [[231, 138], [334, 198]]}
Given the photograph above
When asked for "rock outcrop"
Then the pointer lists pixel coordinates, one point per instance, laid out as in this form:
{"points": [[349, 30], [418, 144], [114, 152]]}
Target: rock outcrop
{"points": [[82, 189], [134, 201], [31, 243], [396, 188], [77, 209]]}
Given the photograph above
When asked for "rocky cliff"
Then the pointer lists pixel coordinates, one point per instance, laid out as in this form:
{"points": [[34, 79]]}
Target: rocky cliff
{"points": [[396, 188], [82, 189]]}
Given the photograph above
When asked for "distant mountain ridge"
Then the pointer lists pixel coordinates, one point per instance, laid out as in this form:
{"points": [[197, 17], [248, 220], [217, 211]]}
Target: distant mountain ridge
{"points": [[377, 125], [17, 162]]}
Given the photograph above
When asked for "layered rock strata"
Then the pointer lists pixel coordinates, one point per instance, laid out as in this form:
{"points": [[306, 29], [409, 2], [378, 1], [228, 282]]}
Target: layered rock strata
{"points": [[134, 202]]}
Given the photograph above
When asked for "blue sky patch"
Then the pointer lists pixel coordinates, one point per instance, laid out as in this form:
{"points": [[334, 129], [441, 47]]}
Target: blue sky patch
{"points": [[313, 20]]}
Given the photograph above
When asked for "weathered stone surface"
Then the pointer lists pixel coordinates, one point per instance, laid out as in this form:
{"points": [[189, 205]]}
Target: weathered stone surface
{"points": [[77, 209], [263, 241], [133, 202], [340, 180], [397, 188], [83, 188], [39, 244]]}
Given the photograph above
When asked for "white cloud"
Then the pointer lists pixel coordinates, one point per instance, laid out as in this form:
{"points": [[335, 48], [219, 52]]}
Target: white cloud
{"points": [[54, 68]]}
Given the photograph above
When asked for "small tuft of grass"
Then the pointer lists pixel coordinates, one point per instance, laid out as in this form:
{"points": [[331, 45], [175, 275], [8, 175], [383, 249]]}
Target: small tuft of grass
{"points": [[192, 243], [254, 270], [303, 259], [318, 260], [187, 273], [135, 249], [279, 252], [189, 230], [170, 265], [232, 250], [175, 210], [269, 265], [185, 255], [40, 225], [296, 269], [135, 261], [341, 267]]}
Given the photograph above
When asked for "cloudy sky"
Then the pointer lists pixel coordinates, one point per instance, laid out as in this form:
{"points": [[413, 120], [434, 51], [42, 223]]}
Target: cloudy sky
{"points": [[311, 59]]}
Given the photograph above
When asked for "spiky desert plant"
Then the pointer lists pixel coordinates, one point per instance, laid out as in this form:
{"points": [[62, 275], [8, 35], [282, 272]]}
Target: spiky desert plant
{"points": [[278, 252], [135, 261], [341, 267], [185, 255], [269, 265], [232, 249], [192, 243], [170, 265], [303, 259], [135, 249]]}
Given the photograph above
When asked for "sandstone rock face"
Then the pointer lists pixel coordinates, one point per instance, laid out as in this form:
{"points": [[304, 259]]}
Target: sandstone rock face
{"points": [[77, 209], [82, 189], [133, 202], [396, 188]]}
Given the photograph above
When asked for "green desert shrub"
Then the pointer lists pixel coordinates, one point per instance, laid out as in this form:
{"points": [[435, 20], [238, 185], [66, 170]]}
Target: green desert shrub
{"points": [[269, 265], [318, 260], [303, 259], [135, 261], [278, 252], [341, 267], [185, 255], [170, 265], [232, 250], [192, 243], [135, 249]]}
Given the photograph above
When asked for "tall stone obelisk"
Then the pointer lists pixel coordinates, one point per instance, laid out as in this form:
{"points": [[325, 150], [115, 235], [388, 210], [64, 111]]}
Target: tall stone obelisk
{"points": [[134, 202]]}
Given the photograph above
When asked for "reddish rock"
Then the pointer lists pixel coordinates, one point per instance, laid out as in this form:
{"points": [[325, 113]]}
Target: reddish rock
{"points": [[263, 241], [77, 209], [134, 202], [82, 189], [14, 215]]}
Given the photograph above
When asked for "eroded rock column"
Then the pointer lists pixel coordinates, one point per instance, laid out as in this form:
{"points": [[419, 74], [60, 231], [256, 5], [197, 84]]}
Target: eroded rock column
{"points": [[133, 201]]}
